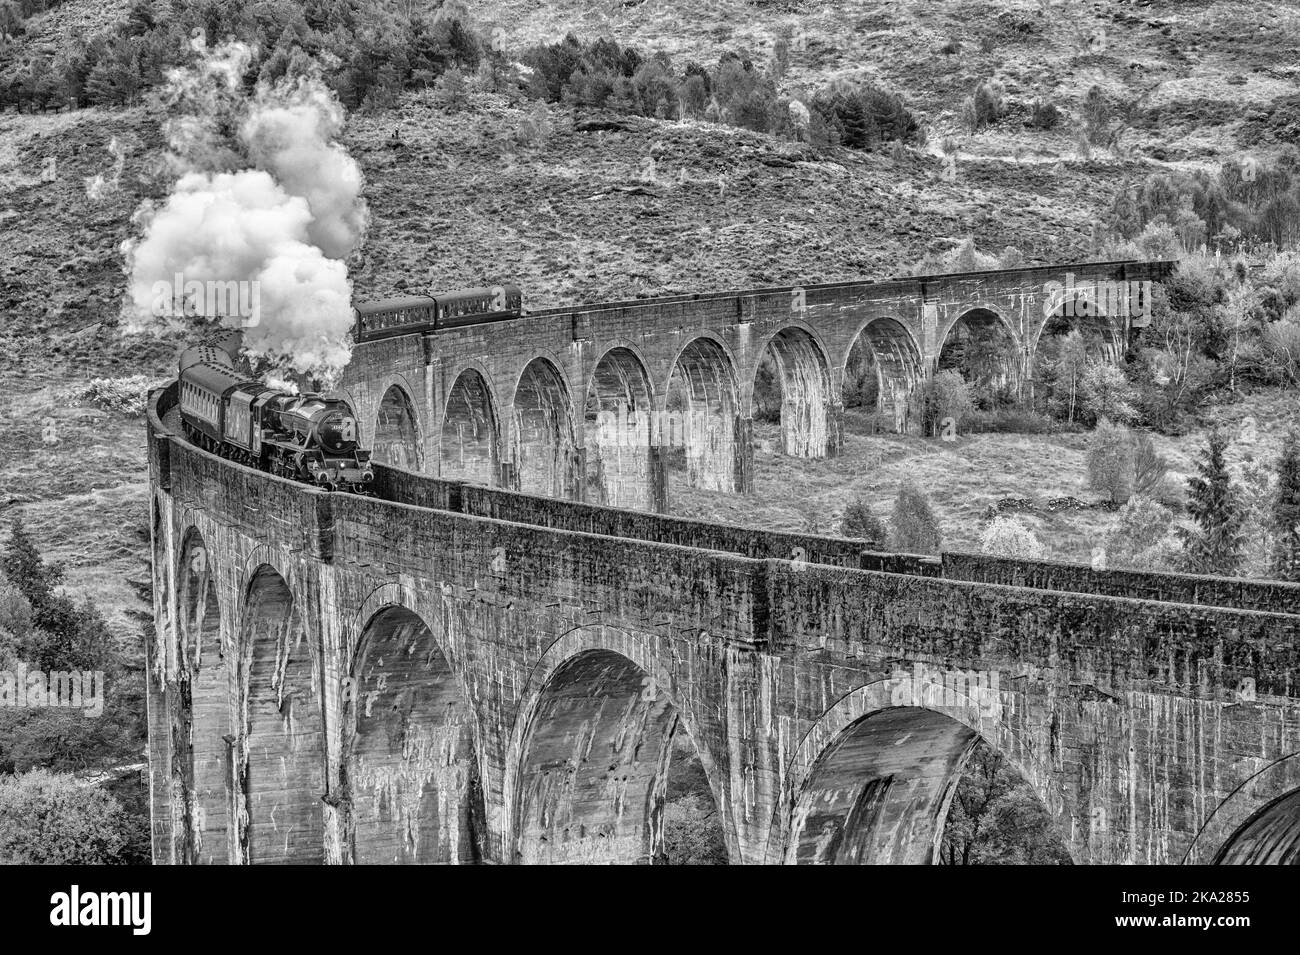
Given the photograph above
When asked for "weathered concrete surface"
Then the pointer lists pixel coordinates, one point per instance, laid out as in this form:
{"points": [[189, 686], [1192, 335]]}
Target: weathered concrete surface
{"points": [[441, 686], [519, 404]]}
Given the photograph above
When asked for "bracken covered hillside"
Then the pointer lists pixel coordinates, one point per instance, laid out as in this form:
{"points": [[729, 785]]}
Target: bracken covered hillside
{"points": [[584, 205]]}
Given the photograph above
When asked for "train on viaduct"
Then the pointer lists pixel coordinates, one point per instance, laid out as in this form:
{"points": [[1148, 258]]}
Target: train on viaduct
{"points": [[588, 402], [476, 665]]}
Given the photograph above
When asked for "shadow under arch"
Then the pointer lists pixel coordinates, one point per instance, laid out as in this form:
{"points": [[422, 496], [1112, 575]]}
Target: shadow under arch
{"points": [[702, 410], [590, 753], [203, 686], [283, 773], [984, 348], [800, 365], [1259, 822], [409, 769], [618, 419], [884, 353], [1102, 340], [871, 781], [397, 439], [543, 447], [470, 445]]}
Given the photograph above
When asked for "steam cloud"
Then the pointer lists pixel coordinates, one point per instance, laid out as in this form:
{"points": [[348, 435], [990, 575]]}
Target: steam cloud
{"points": [[277, 210]]}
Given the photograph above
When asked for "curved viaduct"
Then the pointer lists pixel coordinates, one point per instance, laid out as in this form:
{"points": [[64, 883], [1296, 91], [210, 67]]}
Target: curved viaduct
{"points": [[587, 402], [456, 673]]}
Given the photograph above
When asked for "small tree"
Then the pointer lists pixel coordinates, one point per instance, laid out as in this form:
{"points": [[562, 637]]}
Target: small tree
{"points": [[915, 529], [1141, 538], [1242, 300], [451, 91], [860, 524], [1068, 371], [1214, 544], [1107, 393], [1149, 465], [1010, 537], [945, 397], [1286, 511], [1110, 461], [985, 107]]}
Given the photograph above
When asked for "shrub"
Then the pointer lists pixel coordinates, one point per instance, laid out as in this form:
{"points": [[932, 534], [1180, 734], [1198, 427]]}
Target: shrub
{"points": [[1280, 348], [451, 91], [122, 395], [767, 391], [49, 819], [860, 524], [1044, 115], [985, 106], [1010, 537], [1142, 537], [1097, 116], [914, 529], [962, 257], [1010, 421], [534, 127]]}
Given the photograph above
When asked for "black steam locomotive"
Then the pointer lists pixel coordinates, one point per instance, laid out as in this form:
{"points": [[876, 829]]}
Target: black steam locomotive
{"points": [[407, 316], [307, 437]]}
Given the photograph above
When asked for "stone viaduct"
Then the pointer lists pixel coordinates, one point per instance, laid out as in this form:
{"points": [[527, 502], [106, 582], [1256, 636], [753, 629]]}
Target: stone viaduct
{"points": [[450, 672], [585, 402]]}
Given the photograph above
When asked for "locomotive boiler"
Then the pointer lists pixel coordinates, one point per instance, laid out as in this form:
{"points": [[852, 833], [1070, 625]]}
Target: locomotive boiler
{"points": [[306, 437]]}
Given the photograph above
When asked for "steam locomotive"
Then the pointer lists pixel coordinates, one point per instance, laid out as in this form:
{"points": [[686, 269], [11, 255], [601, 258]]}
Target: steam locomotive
{"points": [[307, 437], [410, 315]]}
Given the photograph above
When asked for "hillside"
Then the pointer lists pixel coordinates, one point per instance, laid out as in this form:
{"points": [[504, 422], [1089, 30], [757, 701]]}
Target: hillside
{"points": [[466, 195]]}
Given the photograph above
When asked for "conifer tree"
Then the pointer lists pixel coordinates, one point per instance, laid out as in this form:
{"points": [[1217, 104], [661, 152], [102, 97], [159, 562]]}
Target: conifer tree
{"points": [[915, 529], [860, 524], [1286, 511], [1214, 545], [27, 570]]}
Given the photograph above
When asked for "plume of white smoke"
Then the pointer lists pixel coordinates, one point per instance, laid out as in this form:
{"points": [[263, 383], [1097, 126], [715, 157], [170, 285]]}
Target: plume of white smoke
{"points": [[290, 132], [274, 209]]}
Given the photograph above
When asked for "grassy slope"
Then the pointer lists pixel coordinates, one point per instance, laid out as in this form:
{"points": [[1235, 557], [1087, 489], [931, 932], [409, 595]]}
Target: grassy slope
{"points": [[729, 211], [965, 477]]}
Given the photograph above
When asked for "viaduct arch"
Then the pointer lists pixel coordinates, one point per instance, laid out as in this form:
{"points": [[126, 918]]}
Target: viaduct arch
{"points": [[455, 673], [533, 404]]}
